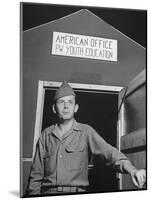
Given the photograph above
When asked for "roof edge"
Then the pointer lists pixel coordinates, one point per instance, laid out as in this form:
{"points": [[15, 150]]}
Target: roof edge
{"points": [[94, 16], [53, 20]]}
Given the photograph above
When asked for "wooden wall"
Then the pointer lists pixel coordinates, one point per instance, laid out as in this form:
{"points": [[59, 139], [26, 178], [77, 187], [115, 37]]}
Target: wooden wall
{"points": [[133, 143]]}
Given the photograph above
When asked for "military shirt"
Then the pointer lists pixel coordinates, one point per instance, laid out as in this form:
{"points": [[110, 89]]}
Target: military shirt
{"points": [[64, 161]]}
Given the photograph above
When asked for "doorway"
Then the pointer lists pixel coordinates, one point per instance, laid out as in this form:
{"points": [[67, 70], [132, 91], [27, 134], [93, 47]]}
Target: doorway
{"points": [[98, 107]]}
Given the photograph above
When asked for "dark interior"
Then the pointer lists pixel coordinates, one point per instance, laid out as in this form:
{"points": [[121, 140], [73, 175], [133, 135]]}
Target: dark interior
{"points": [[98, 109]]}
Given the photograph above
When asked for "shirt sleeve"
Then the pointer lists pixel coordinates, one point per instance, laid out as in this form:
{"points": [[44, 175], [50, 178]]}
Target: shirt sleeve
{"points": [[37, 171], [110, 154]]}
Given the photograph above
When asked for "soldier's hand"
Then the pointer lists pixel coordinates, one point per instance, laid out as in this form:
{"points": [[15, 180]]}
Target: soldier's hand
{"points": [[138, 177]]}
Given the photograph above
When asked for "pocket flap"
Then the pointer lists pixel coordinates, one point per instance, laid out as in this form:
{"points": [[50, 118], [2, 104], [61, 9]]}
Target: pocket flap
{"points": [[75, 147]]}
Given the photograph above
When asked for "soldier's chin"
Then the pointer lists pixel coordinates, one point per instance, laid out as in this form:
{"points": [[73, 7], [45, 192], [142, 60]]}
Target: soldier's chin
{"points": [[67, 117], [63, 118]]}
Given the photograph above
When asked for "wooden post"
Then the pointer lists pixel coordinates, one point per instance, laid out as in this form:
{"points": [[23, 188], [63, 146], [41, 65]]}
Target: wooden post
{"points": [[39, 114]]}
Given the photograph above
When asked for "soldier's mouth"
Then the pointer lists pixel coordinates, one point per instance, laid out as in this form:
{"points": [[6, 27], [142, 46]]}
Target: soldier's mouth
{"points": [[65, 113]]}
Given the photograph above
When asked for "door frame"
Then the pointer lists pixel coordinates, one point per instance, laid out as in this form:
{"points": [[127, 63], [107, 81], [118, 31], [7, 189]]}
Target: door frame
{"points": [[43, 85]]}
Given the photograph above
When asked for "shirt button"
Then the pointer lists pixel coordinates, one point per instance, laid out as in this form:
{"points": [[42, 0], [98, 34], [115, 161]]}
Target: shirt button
{"points": [[60, 156]]}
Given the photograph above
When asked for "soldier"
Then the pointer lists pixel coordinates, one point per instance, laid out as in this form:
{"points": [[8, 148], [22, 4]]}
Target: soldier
{"points": [[60, 163]]}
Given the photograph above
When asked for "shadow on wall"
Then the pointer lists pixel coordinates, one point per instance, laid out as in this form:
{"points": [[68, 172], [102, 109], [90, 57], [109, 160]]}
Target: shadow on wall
{"points": [[14, 193]]}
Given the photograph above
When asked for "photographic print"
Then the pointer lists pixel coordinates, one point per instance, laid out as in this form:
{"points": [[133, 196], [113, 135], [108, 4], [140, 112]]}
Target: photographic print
{"points": [[83, 100]]}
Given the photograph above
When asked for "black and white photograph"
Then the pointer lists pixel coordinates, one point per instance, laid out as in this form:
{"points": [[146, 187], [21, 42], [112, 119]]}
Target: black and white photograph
{"points": [[83, 74]]}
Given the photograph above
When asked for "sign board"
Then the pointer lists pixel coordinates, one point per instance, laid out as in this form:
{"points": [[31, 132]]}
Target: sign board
{"points": [[67, 44]]}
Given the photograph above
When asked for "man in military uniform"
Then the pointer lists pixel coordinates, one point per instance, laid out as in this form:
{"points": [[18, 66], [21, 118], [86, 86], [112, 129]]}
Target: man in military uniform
{"points": [[60, 163]]}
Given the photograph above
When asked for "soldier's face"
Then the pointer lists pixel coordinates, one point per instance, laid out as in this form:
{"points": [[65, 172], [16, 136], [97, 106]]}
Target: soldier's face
{"points": [[66, 107]]}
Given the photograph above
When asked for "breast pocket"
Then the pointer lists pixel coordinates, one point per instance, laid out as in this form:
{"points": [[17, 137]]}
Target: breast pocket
{"points": [[74, 157], [49, 163]]}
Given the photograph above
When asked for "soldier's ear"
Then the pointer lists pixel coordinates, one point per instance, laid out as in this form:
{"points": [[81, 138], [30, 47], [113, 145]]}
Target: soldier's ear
{"points": [[53, 108], [76, 108]]}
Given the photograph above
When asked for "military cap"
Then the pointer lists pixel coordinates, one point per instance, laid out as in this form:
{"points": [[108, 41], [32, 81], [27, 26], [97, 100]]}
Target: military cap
{"points": [[64, 90]]}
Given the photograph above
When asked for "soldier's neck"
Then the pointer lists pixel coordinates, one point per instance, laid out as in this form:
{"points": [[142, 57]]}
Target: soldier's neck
{"points": [[65, 126]]}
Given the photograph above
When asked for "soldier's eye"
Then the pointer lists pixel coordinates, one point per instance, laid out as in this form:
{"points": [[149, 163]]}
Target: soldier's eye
{"points": [[60, 101]]}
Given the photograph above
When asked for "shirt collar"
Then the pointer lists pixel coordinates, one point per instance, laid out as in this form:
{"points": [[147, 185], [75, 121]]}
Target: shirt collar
{"points": [[75, 126]]}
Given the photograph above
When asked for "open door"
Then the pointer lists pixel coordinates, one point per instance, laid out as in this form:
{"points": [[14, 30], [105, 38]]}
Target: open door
{"points": [[133, 126], [98, 107]]}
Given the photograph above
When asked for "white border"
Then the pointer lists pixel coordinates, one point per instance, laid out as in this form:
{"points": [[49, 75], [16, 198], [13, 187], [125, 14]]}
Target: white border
{"points": [[9, 101]]}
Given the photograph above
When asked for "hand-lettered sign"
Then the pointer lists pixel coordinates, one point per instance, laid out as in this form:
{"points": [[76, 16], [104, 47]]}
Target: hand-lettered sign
{"points": [[67, 44]]}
